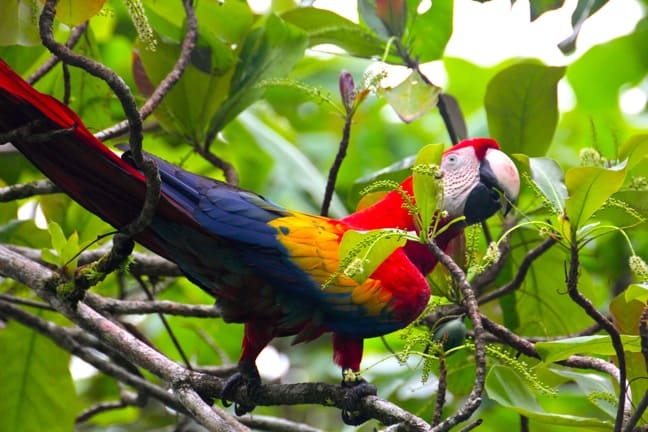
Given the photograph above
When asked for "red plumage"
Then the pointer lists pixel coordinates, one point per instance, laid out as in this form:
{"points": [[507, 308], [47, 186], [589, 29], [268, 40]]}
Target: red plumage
{"points": [[265, 264]]}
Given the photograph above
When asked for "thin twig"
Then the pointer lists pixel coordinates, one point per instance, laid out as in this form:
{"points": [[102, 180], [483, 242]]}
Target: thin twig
{"points": [[523, 269], [26, 190], [441, 392], [166, 325], [26, 302], [137, 307], [472, 310], [606, 324], [99, 408], [49, 64], [188, 44], [231, 176], [643, 403], [275, 424], [142, 265], [335, 168]]}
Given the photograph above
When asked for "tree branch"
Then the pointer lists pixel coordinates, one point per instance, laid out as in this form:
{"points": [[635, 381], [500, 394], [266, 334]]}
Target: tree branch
{"points": [[472, 309], [606, 324], [26, 190], [523, 269], [49, 64], [113, 337], [188, 44]]}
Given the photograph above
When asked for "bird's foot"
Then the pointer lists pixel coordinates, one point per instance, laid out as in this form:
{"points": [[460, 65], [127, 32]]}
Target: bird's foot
{"points": [[357, 388], [248, 376]]}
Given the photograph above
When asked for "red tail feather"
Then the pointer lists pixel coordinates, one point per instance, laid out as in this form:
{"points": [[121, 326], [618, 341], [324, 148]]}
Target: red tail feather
{"points": [[76, 161]]}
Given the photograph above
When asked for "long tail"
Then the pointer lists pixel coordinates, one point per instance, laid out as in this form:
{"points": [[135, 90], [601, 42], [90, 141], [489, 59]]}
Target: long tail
{"points": [[69, 155]]}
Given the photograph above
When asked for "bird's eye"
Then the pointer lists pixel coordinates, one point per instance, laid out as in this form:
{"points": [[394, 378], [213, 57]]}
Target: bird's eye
{"points": [[452, 159]]}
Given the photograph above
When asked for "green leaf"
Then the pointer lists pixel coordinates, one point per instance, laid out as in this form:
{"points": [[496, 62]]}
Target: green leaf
{"points": [[412, 98], [635, 150], [590, 384], [626, 310], [542, 294], [426, 187], [584, 9], [19, 23], [507, 388], [38, 393], [599, 92], [522, 107], [228, 21], [327, 27], [554, 351], [58, 237], [636, 292], [538, 7], [428, 33], [196, 97], [268, 52], [365, 251], [288, 159], [367, 10], [397, 172], [589, 188], [549, 178]]}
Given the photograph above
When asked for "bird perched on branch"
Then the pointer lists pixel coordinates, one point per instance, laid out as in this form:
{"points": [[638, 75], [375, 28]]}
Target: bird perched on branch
{"points": [[274, 269]]}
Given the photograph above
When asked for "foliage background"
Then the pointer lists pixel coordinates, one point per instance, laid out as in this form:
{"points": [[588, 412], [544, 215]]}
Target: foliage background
{"points": [[282, 145]]}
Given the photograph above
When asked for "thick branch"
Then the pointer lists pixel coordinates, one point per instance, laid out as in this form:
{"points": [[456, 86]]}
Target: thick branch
{"points": [[114, 337]]}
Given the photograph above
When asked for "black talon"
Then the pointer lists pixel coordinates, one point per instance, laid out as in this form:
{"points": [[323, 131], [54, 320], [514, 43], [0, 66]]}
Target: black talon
{"points": [[247, 376], [357, 388]]}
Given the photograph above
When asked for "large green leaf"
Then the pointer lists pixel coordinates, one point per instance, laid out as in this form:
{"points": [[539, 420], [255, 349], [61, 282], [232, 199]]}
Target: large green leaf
{"points": [[187, 109], [227, 21], [542, 294], [522, 107], [268, 52], [584, 9], [38, 393], [365, 251], [538, 7], [554, 351], [589, 188], [635, 149], [549, 178], [626, 310], [19, 23], [326, 27], [428, 33], [599, 92], [508, 389], [426, 186], [305, 177]]}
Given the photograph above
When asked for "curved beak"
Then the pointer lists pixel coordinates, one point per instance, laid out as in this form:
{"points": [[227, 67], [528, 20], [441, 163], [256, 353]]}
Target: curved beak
{"points": [[498, 187]]}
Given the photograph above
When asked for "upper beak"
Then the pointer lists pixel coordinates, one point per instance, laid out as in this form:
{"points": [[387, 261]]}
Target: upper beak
{"points": [[498, 187], [498, 172]]}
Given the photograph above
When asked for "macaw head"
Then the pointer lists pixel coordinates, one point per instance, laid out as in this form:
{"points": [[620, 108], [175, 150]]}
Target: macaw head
{"points": [[478, 180]]}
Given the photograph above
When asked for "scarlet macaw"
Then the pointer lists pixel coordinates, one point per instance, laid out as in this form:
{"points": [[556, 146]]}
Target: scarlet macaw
{"points": [[265, 265]]}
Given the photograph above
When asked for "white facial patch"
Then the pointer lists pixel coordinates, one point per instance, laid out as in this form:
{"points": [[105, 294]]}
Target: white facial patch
{"points": [[460, 170]]}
